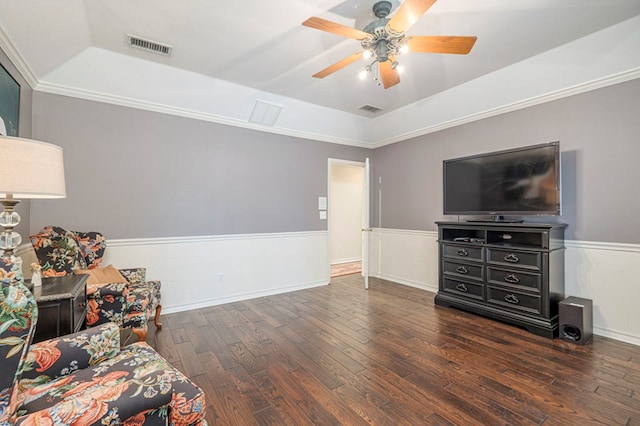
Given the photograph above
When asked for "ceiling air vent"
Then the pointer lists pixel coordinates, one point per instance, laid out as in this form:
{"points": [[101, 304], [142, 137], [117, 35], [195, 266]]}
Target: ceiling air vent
{"points": [[370, 108], [149, 45]]}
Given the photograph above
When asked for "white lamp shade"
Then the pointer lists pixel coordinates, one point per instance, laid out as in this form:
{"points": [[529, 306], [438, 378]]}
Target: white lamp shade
{"points": [[31, 169]]}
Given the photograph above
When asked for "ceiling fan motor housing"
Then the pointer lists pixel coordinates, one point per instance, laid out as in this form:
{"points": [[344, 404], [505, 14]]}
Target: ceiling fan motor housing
{"points": [[382, 9], [383, 40]]}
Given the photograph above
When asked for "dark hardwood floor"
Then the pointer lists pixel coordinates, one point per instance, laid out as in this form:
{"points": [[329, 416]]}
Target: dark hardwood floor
{"points": [[341, 355]]}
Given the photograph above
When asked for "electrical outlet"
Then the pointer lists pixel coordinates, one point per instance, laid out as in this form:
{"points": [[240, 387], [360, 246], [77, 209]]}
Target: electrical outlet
{"points": [[220, 277]]}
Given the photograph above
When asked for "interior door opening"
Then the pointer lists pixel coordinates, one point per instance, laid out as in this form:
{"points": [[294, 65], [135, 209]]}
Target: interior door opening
{"points": [[348, 214]]}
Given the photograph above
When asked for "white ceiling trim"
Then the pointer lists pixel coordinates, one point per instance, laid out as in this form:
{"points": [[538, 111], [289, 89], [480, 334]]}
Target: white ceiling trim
{"points": [[135, 82], [600, 59], [16, 58], [74, 92], [213, 118], [537, 100]]}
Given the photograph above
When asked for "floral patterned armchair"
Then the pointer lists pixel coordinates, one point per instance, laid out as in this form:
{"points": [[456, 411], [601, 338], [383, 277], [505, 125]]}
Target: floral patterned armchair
{"points": [[84, 378], [129, 301]]}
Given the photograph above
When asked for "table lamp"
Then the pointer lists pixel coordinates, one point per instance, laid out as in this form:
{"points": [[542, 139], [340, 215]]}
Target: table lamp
{"points": [[29, 169]]}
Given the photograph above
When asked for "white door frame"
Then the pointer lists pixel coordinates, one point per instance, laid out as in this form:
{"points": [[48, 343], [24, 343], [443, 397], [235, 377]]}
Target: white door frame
{"points": [[365, 213]]}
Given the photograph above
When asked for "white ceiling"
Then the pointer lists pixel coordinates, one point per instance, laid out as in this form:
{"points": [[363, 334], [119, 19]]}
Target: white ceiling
{"points": [[227, 55]]}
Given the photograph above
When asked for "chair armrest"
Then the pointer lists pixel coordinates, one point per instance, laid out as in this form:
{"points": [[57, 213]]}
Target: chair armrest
{"points": [[106, 302], [134, 275], [98, 291], [61, 356]]}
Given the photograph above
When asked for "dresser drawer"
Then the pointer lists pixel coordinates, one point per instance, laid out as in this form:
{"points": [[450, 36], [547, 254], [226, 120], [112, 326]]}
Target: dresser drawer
{"points": [[463, 288], [523, 259], [514, 278], [514, 300], [463, 252], [464, 270]]}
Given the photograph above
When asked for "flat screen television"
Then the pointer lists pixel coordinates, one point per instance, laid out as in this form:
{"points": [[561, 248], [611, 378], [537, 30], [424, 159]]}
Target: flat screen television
{"points": [[521, 181]]}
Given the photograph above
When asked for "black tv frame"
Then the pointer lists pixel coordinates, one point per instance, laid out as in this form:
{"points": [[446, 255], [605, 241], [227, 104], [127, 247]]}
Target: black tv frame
{"points": [[499, 214]]}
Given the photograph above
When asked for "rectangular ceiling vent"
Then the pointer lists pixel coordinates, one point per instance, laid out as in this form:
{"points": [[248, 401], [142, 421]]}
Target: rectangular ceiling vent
{"points": [[265, 113], [149, 45], [370, 108]]}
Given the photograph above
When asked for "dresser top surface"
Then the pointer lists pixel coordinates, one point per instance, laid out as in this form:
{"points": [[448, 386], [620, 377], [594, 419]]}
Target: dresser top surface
{"points": [[56, 288]]}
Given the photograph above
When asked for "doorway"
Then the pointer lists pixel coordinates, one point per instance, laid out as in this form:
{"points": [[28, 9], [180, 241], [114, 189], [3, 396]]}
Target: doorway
{"points": [[347, 216]]}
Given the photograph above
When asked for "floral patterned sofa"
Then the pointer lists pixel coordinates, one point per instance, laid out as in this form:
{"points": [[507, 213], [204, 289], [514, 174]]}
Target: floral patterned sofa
{"points": [[84, 378], [129, 301]]}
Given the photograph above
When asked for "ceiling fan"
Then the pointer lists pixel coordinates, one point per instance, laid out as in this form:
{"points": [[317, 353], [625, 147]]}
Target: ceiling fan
{"points": [[384, 39]]}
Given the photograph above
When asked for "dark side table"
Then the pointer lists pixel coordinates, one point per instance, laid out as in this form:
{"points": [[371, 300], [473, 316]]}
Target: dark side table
{"points": [[62, 305]]}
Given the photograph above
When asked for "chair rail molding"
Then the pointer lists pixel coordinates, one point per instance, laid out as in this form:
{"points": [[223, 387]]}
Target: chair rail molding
{"points": [[202, 271]]}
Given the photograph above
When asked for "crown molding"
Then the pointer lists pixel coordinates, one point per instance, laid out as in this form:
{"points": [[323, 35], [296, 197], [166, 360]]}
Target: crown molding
{"points": [[89, 95], [197, 115], [515, 106], [16, 58]]}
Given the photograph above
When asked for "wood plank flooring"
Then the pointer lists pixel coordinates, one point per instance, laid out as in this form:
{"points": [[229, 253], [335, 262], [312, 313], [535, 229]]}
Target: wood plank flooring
{"points": [[341, 355]]}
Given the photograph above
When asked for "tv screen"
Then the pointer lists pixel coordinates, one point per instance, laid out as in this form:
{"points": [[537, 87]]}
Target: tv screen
{"points": [[522, 181]]}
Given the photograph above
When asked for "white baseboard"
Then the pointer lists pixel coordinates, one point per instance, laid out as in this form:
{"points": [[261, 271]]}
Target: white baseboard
{"points": [[409, 283], [343, 261], [239, 297]]}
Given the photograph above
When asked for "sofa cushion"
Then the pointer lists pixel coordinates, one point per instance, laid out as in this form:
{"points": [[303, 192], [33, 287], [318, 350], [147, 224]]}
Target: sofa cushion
{"points": [[137, 380]]}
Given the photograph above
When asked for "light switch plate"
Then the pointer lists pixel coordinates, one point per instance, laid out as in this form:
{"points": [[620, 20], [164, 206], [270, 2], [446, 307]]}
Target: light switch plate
{"points": [[323, 214], [322, 203]]}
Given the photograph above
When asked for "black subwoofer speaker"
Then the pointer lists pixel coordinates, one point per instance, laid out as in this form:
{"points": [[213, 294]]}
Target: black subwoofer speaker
{"points": [[576, 319]]}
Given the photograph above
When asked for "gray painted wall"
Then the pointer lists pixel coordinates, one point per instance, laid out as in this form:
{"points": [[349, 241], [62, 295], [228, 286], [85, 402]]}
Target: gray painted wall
{"points": [[599, 134], [24, 131], [135, 174]]}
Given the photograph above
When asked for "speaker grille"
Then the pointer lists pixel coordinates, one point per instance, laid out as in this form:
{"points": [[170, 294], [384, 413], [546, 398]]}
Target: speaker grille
{"points": [[571, 333]]}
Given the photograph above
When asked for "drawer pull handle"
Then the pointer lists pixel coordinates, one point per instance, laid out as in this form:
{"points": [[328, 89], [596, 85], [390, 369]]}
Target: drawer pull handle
{"points": [[462, 270], [463, 252], [511, 298], [512, 278], [511, 258], [461, 287]]}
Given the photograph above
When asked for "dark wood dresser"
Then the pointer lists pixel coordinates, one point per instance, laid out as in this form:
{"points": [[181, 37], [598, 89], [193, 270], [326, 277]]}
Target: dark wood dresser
{"points": [[513, 272]]}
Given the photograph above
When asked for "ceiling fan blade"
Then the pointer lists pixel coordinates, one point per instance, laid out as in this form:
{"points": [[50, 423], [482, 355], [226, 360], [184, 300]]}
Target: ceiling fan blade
{"points": [[408, 14], [389, 76], [334, 28], [441, 44], [338, 65]]}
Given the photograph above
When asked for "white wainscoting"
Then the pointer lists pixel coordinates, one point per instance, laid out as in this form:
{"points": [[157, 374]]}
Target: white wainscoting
{"points": [[603, 272], [609, 275], [211, 270], [257, 265], [404, 256]]}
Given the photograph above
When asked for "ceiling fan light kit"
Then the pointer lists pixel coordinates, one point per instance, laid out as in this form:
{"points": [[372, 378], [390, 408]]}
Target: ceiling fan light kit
{"points": [[384, 39]]}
